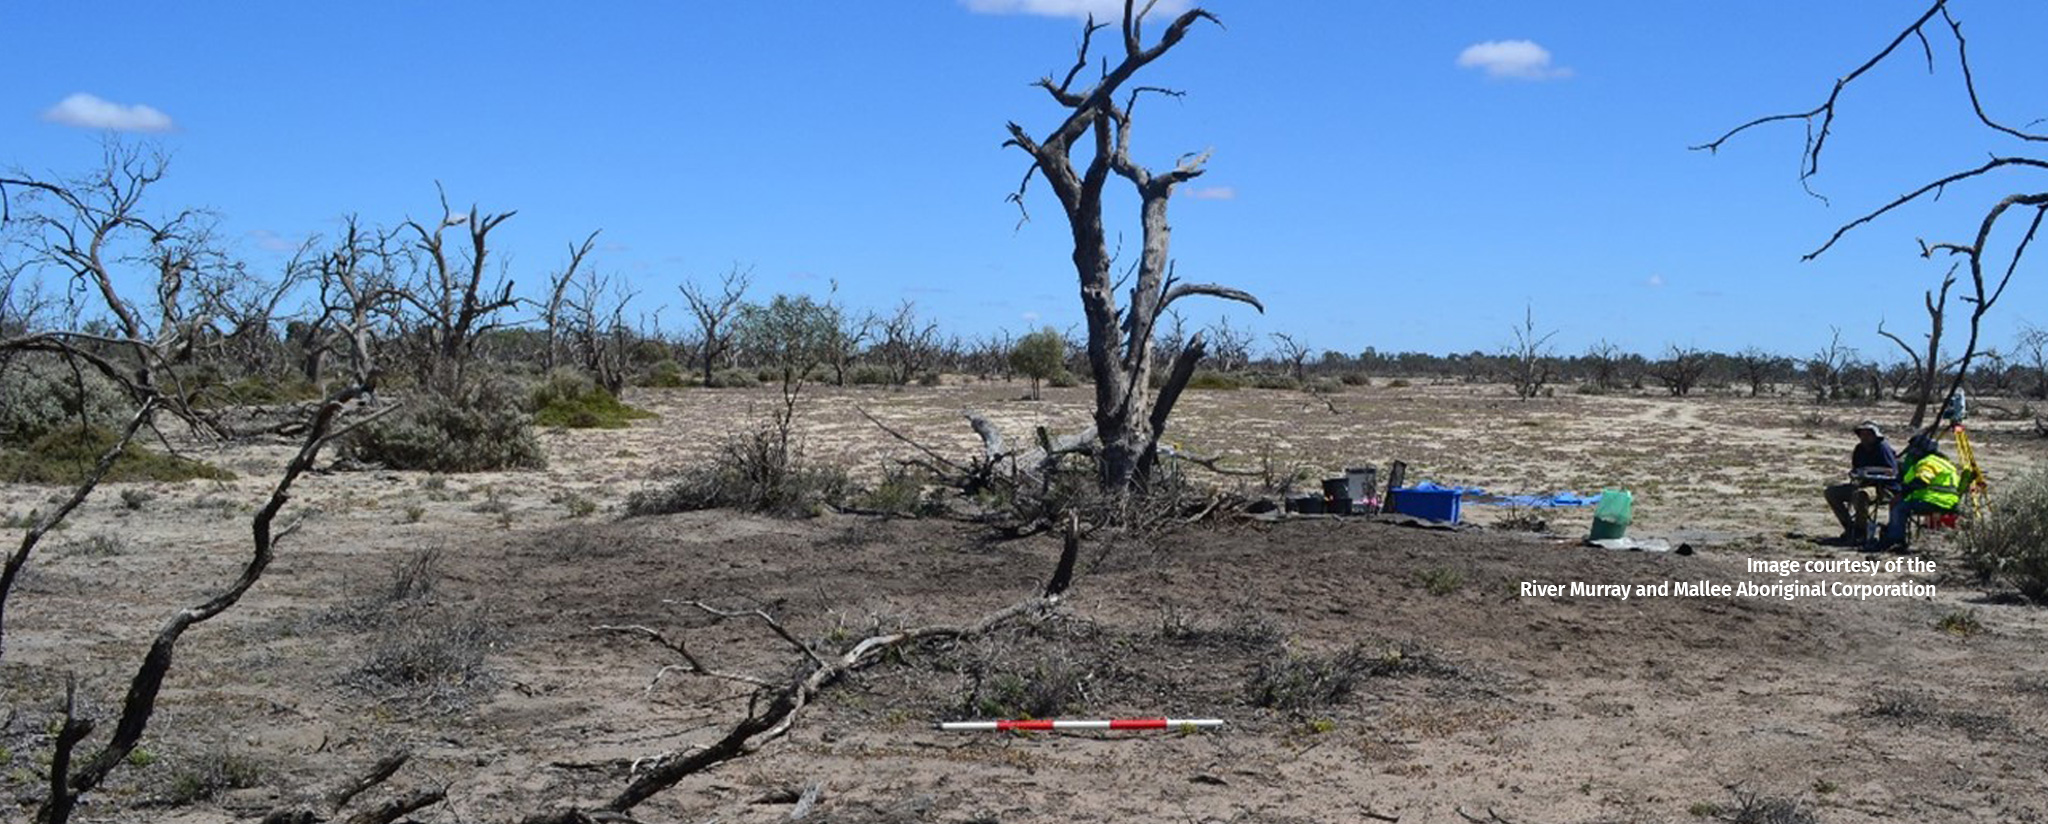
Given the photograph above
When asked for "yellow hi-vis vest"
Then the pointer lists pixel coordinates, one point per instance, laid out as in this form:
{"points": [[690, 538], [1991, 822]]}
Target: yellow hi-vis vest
{"points": [[1936, 482]]}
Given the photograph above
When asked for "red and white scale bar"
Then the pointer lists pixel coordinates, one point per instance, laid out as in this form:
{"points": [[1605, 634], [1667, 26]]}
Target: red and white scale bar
{"points": [[1101, 724]]}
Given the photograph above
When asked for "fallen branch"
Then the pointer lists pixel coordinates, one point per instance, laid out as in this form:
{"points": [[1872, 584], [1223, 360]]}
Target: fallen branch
{"points": [[788, 699], [331, 804]]}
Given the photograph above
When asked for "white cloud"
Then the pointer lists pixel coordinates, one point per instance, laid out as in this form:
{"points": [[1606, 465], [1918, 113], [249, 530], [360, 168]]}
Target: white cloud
{"points": [[87, 111], [270, 241], [1104, 10], [1655, 282], [1512, 59], [1030, 317], [1214, 193]]}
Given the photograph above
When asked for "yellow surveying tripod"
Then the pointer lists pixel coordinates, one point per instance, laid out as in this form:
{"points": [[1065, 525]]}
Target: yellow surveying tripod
{"points": [[1975, 486]]}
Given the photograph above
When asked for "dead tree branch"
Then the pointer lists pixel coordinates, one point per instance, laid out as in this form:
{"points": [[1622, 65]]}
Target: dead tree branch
{"points": [[786, 700]]}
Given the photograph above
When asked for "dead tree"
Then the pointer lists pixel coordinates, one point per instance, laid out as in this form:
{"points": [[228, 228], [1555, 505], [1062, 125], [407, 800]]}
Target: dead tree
{"points": [[907, 344], [454, 303], [1990, 269], [1758, 368], [80, 236], [850, 332], [1680, 370], [1926, 368], [602, 335], [2033, 347], [1230, 347], [1128, 418], [1529, 357], [1292, 352], [1603, 359], [714, 312], [558, 294], [1825, 368]]}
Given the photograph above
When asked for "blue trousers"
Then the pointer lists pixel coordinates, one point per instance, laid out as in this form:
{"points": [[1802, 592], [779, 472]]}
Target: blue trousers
{"points": [[1902, 512]]}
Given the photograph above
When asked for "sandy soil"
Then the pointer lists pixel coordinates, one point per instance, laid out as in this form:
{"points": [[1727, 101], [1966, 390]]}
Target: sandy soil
{"points": [[1473, 696]]}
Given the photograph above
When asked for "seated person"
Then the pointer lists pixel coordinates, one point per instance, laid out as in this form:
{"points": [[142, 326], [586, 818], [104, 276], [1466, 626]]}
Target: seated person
{"points": [[1872, 457], [1930, 484]]}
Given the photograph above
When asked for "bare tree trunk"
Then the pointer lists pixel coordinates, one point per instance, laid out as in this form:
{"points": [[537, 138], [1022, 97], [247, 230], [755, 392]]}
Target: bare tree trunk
{"points": [[1119, 345]]}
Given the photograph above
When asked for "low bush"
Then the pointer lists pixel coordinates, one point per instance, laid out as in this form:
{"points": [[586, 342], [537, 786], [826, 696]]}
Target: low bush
{"points": [[40, 395], [1063, 379], [1301, 683], [428, 654], [665, 375], [732, 379], [1205, 379], [759, 471], [1356, 379], [2009, 543], [485, 429], [66, 456], [571, 399], [868, 374], [1267, 380], [900, 492], [201, 776]]}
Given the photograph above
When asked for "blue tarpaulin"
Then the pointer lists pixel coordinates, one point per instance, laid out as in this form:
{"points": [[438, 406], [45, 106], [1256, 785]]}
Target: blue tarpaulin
{"points": [[1475, 495]]}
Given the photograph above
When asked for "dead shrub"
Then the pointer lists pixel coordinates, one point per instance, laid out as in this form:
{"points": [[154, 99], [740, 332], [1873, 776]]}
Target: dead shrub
{"points": [[192, 777], [1755, 808], [1302, 683], [759, 471], [1900, 705], [427, 654], [1243, 630]]}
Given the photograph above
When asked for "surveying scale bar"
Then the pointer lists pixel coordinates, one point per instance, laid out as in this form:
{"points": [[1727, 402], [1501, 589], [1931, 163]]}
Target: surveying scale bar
{"points": [[1100, 724]]}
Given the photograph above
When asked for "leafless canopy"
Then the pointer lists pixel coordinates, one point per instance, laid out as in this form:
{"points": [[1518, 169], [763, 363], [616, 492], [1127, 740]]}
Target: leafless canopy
{"points": [[1990, 269], [1100, 117]]}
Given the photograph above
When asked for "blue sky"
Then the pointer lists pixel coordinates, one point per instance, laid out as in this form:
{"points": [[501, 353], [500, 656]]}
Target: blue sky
{"points": [[1373, 190]]}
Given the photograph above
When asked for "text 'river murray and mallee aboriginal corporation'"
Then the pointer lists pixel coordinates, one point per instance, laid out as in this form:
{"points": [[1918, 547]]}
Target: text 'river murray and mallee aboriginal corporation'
{"points": [[1850, 578]]}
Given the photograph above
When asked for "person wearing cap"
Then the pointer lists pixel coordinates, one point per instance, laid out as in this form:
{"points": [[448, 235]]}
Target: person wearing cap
{"points": [[1931, 483], [1873, 466]]}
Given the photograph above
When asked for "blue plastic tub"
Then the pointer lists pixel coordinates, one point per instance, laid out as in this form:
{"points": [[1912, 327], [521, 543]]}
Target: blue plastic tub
{"points": [[1434, 504]]}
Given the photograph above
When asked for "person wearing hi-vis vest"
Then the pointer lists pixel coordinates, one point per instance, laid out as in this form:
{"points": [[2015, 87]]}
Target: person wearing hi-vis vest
{"points": [[1930, 483]]}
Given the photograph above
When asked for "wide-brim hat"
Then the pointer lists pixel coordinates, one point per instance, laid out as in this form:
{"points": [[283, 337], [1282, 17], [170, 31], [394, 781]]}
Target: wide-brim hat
{"points": [[1870, 426]]}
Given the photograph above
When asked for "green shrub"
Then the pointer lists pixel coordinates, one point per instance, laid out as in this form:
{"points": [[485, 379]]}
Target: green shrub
{"points": [[65, 456], [868, 374], [901, 492], [2009, 543], [732, 379], [1356, 379], [571, 399], [1040, 356], [1267, 380], [1398, 383], [665, 375], [39, 395], [1063, 379], [487, 429], [1206, 379]]}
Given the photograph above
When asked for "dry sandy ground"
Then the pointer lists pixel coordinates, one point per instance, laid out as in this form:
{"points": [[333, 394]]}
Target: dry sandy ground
{"points": [[1473, 697]]}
